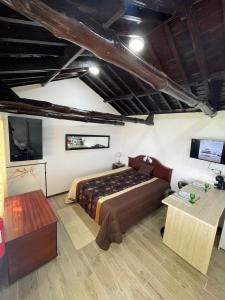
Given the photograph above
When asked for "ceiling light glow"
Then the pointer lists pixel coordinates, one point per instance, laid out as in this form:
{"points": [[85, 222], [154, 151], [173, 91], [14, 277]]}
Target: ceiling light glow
{"points": [[94, 70], [136, 44]]}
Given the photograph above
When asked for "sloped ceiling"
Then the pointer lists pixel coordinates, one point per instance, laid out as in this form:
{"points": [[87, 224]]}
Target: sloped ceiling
{"points": [[184, 39]]}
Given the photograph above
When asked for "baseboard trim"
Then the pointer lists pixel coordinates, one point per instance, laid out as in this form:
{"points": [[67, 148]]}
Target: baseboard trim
{"points": [[54, 195]]}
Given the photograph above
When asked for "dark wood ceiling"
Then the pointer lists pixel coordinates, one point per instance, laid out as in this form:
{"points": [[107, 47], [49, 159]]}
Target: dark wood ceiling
{"points": [[185, 40]]}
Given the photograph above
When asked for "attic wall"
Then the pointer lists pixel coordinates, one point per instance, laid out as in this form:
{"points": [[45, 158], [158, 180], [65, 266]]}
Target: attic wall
{"points": [[63, 166], [169, 140], [70, 92]]}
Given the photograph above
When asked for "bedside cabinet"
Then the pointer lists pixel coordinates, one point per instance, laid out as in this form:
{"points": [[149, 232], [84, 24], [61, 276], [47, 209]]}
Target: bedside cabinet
{"points": [[117, 165]]}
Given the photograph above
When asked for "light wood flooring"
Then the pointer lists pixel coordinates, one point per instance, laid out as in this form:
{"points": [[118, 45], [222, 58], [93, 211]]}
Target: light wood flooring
{"points": [[139, 268]]}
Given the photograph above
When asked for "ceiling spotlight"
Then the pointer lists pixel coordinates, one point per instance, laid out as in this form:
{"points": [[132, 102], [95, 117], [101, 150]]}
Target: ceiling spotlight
{"points": [[94, 70], [136, 44]]}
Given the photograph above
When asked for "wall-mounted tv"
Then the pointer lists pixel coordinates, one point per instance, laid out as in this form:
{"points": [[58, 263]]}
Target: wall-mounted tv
{"points": [[209, 150], [25, 138]]}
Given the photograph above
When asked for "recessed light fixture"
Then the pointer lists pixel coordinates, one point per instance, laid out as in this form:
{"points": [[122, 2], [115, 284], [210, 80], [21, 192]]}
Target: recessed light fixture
{"points": [[94, 70], [136, 44]]}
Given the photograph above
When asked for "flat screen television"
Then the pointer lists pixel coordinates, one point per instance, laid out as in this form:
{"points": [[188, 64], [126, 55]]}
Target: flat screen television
{"points": [[25, 138], [209, 150]]}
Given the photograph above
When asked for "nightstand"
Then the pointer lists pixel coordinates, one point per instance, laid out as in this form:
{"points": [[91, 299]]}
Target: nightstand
{"points": [[117, 165]]}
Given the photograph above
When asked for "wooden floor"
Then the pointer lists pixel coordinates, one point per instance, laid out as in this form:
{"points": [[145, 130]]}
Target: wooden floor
{"points": [[139, 268]]}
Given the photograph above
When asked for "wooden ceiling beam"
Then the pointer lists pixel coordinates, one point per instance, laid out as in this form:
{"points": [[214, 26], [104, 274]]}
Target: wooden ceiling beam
{"points": [[17, 109], [87, 54], [24, 82], [111, 81], [143, 106], [165, 101], [223, 13], [136, 109], [127, 96], [95, 85], [171, 7], [30, 50], [120, 109], [179, 103], [127, 102], [104, 44], [14, 33], [125, 107], [19, 21], [198, 48], [30, 41], [37, 65], [154, 58], [145, 109], [68, 61], [102, 84], [178, 111], [21, 78], [172, 46], [142, 86], [27, 55], [132, 95], [10, 101], [118, 88], [156, 5], [22, 104], [15, 80], [215, 88]]}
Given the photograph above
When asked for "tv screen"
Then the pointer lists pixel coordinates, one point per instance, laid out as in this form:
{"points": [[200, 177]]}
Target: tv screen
{"points": [[209, 150], [25, 138]]}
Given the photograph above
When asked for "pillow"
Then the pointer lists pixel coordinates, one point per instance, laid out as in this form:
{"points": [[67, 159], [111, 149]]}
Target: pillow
{"points": [[133, 163], [146, 169]]}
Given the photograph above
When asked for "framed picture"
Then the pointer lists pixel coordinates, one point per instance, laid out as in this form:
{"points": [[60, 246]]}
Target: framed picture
{"points": [[86, 141]]}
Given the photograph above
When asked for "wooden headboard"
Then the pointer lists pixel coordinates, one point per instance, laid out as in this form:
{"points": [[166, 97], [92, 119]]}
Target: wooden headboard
{"points": [[159, 170]]}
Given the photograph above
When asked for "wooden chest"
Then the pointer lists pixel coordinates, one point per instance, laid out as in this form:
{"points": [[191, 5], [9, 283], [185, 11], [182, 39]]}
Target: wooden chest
{"points": [[30, 233]]}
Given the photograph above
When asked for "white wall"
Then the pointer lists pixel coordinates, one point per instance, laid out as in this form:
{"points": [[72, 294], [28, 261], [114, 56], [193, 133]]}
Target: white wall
{"points": [[169, 141], [63, 166], [70, 92]]}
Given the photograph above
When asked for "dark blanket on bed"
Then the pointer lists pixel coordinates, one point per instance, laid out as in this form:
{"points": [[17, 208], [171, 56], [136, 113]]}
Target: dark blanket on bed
{"points": [[119, 213], [89, 191], [123, 211]]}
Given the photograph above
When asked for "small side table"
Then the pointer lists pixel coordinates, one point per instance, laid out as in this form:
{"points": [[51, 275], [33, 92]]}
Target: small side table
{"points": [[117, 165]]}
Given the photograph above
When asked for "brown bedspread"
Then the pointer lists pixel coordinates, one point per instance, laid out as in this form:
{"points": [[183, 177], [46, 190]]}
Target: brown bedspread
{"points": [[130, 196], [121, 212], [90, 191]]}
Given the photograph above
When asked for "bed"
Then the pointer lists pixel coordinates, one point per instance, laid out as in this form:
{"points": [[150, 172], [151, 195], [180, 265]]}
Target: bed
{"points": [[118, 199]]}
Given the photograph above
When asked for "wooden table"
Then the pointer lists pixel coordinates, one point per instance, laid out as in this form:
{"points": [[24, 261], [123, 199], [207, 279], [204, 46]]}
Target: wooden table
{"points": [[190, 230], [30, 233]]}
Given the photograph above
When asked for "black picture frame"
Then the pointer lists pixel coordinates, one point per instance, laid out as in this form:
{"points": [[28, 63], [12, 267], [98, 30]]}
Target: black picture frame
{"points": [[25, 139], [79, 136]]}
